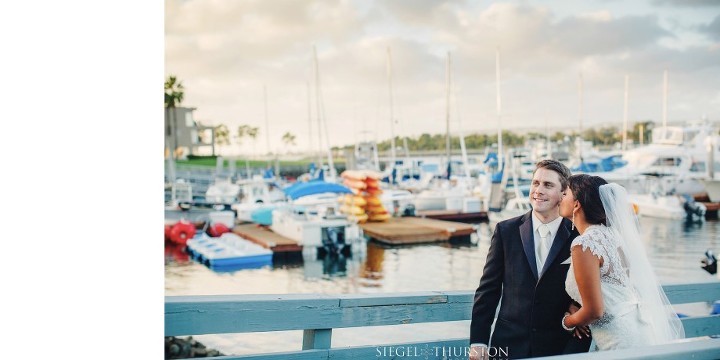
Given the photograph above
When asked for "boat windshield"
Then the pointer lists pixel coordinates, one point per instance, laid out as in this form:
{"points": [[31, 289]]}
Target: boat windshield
{"points": [[668, 135]]}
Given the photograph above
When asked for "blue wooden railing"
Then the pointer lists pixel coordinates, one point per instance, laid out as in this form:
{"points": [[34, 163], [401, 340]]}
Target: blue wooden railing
{"points": [[317, 315]]}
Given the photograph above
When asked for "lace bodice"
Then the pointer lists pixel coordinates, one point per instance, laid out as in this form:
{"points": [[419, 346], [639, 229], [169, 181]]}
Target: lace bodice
{"points": [[602, 243], [619, 296]]}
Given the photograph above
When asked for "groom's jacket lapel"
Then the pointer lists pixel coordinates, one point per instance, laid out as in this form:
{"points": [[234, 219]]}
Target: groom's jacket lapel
{"points": [[528, 241], [561, 238]]}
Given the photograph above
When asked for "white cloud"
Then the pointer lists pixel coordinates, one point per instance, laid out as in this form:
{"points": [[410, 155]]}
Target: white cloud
{"points": [[226, 51]]}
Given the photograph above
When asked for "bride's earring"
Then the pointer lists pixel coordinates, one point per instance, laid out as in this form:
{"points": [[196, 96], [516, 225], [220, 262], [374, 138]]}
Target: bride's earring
{"points": [[573, 221]]}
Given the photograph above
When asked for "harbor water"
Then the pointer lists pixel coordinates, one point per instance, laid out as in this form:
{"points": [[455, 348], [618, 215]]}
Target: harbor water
{"points": [[675, 249]]}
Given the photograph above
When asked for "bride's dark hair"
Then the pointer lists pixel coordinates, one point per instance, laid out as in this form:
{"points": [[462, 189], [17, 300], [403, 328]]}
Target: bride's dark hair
{"points": [[586, 189]]}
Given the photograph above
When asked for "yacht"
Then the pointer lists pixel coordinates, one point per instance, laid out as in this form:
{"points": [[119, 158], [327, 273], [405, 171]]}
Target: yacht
{"points": [[676, 155]]}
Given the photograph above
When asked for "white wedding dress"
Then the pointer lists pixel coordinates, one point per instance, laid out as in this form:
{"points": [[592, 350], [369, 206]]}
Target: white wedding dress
{"points": [[623, 324]]}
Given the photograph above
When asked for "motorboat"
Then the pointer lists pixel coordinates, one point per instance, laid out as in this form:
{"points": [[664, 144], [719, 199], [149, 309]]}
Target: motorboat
{"points": [[659, 200], [444, 195], [316, 226], [256, 194], [222, 191], [514, 207], [712, 187], [397, 201], [658, 206]]}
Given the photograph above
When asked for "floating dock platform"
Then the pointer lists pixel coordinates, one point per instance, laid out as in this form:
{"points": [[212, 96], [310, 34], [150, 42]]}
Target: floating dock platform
{"points": [[414, 230], [266, 238], [454, 215]]}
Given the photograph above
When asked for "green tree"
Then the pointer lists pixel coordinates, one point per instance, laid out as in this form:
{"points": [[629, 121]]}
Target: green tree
{"points": [[222, 135], [246, 130], [288, 139], [174, 94], [646, 127], [558, 136], [252, 133]]}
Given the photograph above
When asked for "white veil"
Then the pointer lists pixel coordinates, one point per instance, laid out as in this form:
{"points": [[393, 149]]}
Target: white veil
{"points": [[653, 304]]}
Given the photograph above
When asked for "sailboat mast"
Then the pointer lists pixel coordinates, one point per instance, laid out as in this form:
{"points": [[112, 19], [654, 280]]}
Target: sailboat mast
{"points": [[580, 115], [267, 123], [548, 149], [499, 108], [625, 114], [461, 133], [665, 94], [392, 116], [317, 100], [310, 137], [331, 164], [447, 109]]}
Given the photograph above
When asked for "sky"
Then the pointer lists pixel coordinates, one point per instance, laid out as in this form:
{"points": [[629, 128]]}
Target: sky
{"points": [[80, 91], [251, 62]]}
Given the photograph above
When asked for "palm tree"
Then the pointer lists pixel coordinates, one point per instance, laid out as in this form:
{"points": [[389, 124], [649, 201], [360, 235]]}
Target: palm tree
{"points": [[252, 132], [174, 93], [288, 139], [222, 135]]}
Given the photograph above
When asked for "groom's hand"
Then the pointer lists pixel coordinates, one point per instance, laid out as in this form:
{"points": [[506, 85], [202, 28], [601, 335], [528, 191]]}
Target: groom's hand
{"points": [[573, 308], [580, 331]]}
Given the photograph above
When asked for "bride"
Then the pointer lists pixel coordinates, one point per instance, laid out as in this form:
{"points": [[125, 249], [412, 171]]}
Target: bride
{"points": [[610, 276]]}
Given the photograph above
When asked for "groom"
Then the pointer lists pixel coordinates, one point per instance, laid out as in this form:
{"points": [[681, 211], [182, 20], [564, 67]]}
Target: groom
{"points": [[526, 269]]}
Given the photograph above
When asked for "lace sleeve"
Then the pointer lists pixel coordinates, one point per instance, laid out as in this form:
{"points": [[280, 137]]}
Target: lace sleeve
{"points": [[594, 240]]}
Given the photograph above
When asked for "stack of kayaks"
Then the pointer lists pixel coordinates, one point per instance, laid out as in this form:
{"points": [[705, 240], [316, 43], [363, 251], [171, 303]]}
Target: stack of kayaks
{"points": [[364, 203]]}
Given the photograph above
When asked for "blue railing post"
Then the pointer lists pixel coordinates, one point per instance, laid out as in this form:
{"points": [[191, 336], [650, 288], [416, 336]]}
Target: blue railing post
{"points": [[316, 339]]}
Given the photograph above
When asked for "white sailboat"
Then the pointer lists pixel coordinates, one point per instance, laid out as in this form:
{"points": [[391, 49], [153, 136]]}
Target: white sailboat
{"points": [[451, 193], [311, 216], [500, 205]]}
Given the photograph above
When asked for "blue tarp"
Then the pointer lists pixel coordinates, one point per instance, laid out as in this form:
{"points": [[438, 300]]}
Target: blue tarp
{"points": [[491, 159], [269, 174], [263, 216], [299, 190], [606, 164]]}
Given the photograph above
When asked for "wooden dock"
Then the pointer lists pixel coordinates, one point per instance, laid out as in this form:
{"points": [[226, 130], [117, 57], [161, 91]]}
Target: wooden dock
{"points": [[266, 238], [454, 215], [414, 230]]}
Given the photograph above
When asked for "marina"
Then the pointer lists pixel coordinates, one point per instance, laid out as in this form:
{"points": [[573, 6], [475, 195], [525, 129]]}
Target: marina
{"points": [[675, 249]]}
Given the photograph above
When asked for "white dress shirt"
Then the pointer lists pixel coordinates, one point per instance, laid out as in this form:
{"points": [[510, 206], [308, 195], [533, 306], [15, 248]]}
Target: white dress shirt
{"points": [[540, 253]]}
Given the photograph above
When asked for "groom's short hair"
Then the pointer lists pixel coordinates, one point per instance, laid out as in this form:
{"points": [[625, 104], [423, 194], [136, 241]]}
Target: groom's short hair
{"points": [[558, 167]]}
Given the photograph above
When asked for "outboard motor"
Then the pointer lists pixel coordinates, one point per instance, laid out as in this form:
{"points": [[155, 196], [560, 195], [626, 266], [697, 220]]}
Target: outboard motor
{"points": [[333, 239], [694, 211], [709, 262], [409, 210]]}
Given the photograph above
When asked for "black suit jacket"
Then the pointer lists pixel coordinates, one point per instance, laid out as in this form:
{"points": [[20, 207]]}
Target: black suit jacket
{"points": [[532, 305]]}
